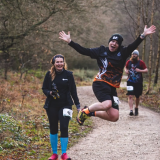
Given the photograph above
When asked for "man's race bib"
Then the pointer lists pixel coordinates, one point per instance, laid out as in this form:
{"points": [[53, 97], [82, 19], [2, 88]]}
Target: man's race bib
{"points": [[130, 88], [116, 100], [67, 112]]}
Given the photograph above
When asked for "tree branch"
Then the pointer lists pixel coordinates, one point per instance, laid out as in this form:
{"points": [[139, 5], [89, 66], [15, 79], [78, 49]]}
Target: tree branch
{"points": [[28, 30]]}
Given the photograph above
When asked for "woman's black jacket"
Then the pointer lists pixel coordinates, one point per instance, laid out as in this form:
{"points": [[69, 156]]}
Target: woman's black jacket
{"points": [[47, 84]]}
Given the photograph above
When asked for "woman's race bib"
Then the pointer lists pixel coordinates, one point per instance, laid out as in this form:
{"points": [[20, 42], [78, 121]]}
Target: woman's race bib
{"points": [[67, 112]]}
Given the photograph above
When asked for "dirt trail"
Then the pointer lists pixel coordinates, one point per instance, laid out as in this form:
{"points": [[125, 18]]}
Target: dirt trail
{"points": [[130, 138]]}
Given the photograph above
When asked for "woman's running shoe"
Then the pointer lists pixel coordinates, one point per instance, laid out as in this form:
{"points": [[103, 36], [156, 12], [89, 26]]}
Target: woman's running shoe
{"points": [[64, 156], [53, 157]]}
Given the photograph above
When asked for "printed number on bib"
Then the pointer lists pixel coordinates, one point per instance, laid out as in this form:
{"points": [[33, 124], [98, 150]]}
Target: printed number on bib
{"points": [[67, 112], [116, 100], [129, 88]]}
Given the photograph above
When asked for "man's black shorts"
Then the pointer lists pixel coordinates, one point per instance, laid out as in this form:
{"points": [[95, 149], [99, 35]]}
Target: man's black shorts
{"points": [[137, 89], [104, 91]]}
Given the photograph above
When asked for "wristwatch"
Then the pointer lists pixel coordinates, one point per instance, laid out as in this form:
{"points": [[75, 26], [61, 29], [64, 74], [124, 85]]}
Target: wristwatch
{"points": [[142, 36]]}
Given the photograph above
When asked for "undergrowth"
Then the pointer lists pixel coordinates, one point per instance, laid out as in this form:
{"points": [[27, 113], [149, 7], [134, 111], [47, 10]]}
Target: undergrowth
{"points": [[24, 127]]}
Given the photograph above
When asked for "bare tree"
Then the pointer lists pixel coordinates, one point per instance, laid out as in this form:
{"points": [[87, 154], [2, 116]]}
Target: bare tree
{"points": [[150, 51], [157, 62], [145, 22], [23, 19], [138, 17]]}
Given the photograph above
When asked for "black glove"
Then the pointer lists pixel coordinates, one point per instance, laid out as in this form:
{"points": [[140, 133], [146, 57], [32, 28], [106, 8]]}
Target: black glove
{"points": [[54, 92]]}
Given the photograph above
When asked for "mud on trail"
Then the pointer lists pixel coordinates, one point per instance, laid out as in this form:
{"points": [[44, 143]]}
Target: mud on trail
{"points": [[130, 138]]}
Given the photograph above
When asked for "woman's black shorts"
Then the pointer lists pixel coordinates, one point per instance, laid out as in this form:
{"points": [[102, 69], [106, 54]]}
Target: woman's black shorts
{"points": [[137, 89], [104, 91]]}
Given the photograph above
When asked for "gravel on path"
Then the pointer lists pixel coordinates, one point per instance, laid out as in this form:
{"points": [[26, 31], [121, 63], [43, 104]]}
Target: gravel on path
{"points": [[130, 138]]}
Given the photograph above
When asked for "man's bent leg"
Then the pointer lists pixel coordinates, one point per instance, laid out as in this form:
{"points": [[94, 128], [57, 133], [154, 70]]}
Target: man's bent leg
{"points": [[85, 113], [104, 106], [110, 115]]}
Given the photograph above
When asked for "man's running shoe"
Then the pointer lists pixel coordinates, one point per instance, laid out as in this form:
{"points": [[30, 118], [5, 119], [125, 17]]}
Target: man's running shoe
{"points": [[64, 156], [53, 157], [81, 117]]}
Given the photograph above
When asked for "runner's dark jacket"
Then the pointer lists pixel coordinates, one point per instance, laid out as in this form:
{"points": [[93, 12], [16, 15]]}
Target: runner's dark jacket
{"points": [[72, 91], [110, 64]]}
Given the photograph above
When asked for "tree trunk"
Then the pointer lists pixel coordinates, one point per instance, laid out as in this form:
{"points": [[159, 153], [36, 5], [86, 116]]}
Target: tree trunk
{"points": [[145, 17], [150, 52], [143, 51], [138, 17], [153, 60], [5, 69], [6, 63], [157, 62]]}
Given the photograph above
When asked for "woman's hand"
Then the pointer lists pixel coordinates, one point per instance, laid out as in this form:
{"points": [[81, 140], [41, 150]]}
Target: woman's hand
{"points": [[65, 37]]}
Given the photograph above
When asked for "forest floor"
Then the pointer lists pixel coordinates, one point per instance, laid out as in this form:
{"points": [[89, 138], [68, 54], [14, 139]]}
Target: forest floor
{"points": [[131, 137]]}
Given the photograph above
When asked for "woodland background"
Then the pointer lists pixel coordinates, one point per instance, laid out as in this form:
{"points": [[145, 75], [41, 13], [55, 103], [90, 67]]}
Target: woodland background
{"points": [[29, 31]]}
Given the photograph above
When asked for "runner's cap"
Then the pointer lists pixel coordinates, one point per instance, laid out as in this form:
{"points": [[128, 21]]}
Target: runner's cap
{"points": [[135, 52], [116, 37]]}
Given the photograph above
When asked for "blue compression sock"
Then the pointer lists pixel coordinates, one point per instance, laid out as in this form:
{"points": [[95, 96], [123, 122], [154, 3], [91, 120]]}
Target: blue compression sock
{"points": [[64, 143], [54, 142]]}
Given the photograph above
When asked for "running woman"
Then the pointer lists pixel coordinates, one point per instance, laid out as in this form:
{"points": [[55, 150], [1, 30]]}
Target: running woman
{"points": [[111, 61], [134, 68], [59, 86]]}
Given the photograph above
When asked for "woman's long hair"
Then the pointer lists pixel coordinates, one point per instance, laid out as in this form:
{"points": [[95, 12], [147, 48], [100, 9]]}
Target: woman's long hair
{"points": [[53, 69]]}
